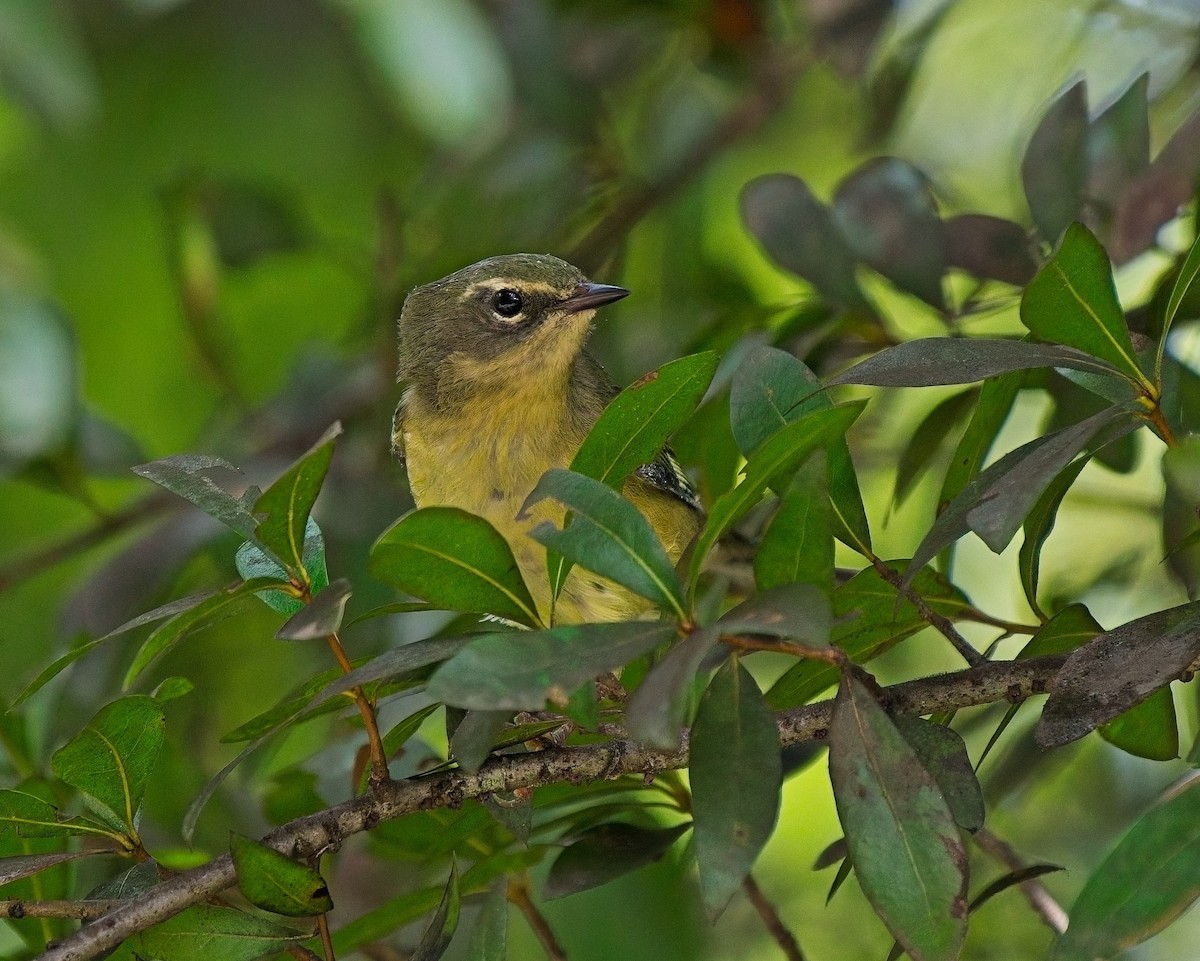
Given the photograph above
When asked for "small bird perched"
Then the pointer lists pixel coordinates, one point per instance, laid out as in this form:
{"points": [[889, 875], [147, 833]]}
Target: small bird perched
{"points": [[500, 388]]}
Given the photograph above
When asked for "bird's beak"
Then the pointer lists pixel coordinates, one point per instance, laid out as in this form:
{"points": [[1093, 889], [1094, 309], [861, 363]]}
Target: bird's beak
{"points": [[588, 296]]}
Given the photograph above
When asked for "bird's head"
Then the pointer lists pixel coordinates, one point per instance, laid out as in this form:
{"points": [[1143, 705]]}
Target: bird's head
{"points": [[504, 319]]}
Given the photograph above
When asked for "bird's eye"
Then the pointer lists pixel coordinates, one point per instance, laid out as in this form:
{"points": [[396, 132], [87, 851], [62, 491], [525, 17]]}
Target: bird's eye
{"points": [[507, 303]]}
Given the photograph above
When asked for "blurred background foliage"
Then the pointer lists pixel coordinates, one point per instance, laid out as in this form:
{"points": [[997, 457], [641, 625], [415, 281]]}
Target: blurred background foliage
{"points": [[210, 212]]}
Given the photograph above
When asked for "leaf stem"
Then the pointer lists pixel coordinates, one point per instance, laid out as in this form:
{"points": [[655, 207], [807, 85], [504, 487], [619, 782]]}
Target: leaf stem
{"points": [[775, 927], [518, 894], [830, 655], [379, 765], [326, 937], [1159, 422]]}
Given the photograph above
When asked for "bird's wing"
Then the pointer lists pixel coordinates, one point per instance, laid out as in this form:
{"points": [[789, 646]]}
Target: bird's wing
{"points": [[665, 474], [398, 433]]}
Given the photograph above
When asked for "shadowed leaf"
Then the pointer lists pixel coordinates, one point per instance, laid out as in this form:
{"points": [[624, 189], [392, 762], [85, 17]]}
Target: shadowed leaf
{"points": [[444, 922], [1053, 170], [1038, 525], [206, 931], [1118, 147], [657, 711], [185, 475], [489, 936], [321, 616], [605, 853], [24, 866], [944, 755], [990, 247]]}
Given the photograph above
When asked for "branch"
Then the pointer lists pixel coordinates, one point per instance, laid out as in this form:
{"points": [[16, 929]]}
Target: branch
{"points": [[1012, 681]]}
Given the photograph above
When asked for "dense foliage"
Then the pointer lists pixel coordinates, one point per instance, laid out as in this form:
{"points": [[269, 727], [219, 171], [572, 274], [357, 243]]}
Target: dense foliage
{"points": [[346, 727]]}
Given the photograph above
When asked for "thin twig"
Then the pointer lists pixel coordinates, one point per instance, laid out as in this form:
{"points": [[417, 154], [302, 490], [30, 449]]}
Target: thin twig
{"points": [[831, 655], [766, 910], [379, 764], [16, 909], [1035, 892], [518, 894], [326, 937], [1011, 681], [928, 614]]}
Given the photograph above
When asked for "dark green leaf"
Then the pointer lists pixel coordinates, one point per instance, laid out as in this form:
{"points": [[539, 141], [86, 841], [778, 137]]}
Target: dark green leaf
{"points": [[32, 817], [784, 450], [608, 535], [195, 616], [1117, 670], [772, 388], [1118, 147], [797, 232], [1150, 878], [27, 865], [523, 670], [903, 840], [930, 436], [944, 755], [1148, 729], [736, 775], [657, 711], [186, 476], [637, 422], [489, 936], [207, 932], [797, 545], [869, 619], [454, 560], [996, 502], [990, 247], [996, 398], [934, 361], [1063, 633], [1183, 284], [321, 617], [253, 564], [796, 611], [889, 218], [442, 925], [605, 853], [402, 661], [473, 738], [287, 503], [1053, 170], [1073, 301], [1038, 525], [1181, 501], [111, 759], [274, 882]]}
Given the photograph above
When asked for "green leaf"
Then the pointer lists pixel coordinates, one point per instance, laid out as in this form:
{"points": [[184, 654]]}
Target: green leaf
{"points": [[929, 437], [944, 755], [1054, 167], [1148, 729], [454, 560], [996, 502], [637, 422], [186, 476], [1117, 670], [473, 738], [903, 840], [207, 932], [287, 503], [657, 710], [797, 231], [522, 671], [736, 774], [1063, 633], [1038, 524], [274, 882], [796, 611], [1183, 283], [869, 619], [939, 361], [605, 853], [112, 758], [608, 535], [322, 615], [254, 564], [1073, 301], [30, 816], [489, 936], [1149, 879], [887, 214], [797, 545], [996, 399], [27, 865], [772, 388], [1118, 148], [172, 688], [990, 247], [195, 616], [442, 925], [784, 450]]}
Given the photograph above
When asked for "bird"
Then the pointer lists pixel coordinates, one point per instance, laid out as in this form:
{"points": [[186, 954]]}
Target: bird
{"points": [[499, 387]]}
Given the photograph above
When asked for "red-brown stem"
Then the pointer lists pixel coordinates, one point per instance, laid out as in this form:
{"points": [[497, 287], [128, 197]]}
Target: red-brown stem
{"points": [[379, 765], [766, 910], [518, 894]]}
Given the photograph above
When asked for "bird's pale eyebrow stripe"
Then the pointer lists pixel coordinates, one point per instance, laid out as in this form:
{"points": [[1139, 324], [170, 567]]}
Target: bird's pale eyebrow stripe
{"points": [[505, 283]]}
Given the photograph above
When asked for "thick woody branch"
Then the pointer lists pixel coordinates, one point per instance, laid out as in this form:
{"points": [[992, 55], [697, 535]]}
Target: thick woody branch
{"points": [[1011, 681]]}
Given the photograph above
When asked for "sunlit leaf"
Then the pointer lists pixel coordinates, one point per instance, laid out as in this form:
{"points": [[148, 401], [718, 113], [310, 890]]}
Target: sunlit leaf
{"points": [[736, 774], [608, 535], [453, 560], [1149, 729], [523, 670], [274, 882], [30, 816], [112, 758], [1073, 301], [903, 840], [1117, 670], [1149, 879], [605, 853]]}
